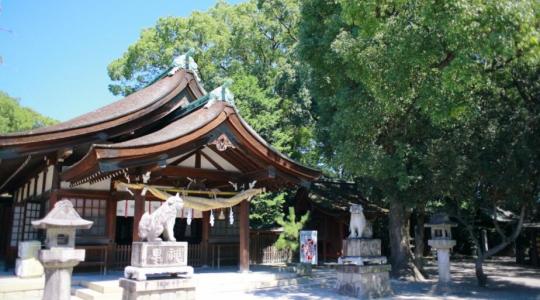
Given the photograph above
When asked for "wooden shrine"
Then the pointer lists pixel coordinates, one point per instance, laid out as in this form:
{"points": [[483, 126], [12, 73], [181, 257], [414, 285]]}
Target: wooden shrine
{"points": [[114, 163]]}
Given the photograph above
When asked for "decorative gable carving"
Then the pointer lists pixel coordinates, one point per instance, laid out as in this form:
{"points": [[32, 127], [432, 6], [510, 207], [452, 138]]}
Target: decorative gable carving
{"points": [[223, 142]]}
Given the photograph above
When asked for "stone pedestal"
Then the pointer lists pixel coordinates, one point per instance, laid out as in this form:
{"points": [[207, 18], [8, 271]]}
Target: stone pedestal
{"points": [[361, 247], [27, 264], [167, 262], [158, 258], [365, 282], [174, 288], [443, 247], [59, 263], [362, 272], [159, 254]]}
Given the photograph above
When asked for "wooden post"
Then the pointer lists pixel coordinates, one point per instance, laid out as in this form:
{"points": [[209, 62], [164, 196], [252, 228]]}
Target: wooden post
{"points": [[139, 211], [205, 236], [244, 236], [341, 237], [56, 183], [327, 238], [111, 228]]}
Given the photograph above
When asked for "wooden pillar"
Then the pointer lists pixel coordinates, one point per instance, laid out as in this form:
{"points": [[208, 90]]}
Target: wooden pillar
{"points": [[205, 236], [327, 238], [341, 237], [111, 227], [139, 211], [244, 236], [56, 183]]}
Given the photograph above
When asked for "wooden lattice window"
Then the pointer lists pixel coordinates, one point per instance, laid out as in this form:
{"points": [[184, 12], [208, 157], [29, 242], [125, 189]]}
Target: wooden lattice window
{"points": [[17, 228], [93, 210], [33, 212]]}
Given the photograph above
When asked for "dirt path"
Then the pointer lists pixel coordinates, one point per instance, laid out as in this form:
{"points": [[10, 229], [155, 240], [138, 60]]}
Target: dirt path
{"points": [[507, 281]]}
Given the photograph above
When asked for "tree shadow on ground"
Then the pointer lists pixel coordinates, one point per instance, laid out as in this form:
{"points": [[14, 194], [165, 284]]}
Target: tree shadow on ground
{"points": [[507, 280]]}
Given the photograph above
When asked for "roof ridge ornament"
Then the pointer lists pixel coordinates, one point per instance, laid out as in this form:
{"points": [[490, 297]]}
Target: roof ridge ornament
{"points": [[186, 61], [221, 93]]}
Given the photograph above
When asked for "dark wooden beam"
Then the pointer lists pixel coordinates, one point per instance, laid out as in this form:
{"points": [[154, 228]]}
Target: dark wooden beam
{"points": [[198, 159], [233, 159], [205, 236], [213, 162], [259, 175], [217, 175], [183, 157]]}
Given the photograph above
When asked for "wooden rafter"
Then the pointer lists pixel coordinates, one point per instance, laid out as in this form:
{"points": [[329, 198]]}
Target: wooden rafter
{"points": [[182, 172], [209, 159]]}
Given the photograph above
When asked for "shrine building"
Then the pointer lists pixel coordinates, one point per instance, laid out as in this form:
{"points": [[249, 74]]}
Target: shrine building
{"points": [[123, 159]]}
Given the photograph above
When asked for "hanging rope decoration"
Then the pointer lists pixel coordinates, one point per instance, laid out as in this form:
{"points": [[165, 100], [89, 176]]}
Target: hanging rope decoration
{"points": [[193, 202], [189, 216], [211, 218], [231, 216]]}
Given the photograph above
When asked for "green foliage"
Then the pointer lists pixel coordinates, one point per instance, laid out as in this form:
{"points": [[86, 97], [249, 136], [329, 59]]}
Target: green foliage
{"points": [[14, 117], [265, 209], [288, 239], [429, 100], [252, 44]]}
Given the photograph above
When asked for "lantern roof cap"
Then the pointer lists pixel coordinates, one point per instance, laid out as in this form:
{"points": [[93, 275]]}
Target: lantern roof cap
{"points": [[440, 219], [63, 215]]}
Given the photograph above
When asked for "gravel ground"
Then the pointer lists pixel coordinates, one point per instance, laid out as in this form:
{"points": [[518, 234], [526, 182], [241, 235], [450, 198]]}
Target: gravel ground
{"points": [[506, 281]]}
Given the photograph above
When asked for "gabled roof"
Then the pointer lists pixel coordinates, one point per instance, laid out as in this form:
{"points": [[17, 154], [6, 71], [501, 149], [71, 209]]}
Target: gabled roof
{"points": [[208, 122], [161, 128], [23, 152], [124, 116]]}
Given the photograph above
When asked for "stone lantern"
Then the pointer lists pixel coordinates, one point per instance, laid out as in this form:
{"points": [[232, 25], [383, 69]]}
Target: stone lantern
{"points": [[60, 256], [441, 240]]}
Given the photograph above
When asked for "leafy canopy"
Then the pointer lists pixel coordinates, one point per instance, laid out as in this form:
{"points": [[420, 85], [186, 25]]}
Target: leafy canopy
{"points": [[14, 117], [252, 43]]}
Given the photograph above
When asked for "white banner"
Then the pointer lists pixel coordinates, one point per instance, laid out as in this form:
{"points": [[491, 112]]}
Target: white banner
{"points": [[308, 246]]}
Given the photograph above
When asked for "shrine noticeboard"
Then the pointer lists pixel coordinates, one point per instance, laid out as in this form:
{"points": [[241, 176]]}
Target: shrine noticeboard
{"points": [[308, 246]]}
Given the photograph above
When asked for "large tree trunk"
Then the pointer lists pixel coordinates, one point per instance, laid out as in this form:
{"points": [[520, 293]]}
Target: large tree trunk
{"points": [[419, 235], [398, 227], [479, 270]]}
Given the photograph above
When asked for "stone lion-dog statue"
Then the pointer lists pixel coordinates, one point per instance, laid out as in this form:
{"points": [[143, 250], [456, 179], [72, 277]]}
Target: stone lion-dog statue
{"points": [[161, 221], [359, 226]]}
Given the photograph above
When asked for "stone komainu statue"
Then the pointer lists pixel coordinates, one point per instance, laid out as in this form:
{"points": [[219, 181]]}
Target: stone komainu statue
{"points": [[160, 221], [359, 227]]}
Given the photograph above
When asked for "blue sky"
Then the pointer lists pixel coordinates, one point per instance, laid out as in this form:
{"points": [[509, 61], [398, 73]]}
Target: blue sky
{"points": [[56, 54]]}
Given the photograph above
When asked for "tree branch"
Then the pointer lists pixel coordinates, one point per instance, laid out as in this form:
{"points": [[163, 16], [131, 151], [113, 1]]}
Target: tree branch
{"points": [[496, 224], [450, 56], [512, 237]]}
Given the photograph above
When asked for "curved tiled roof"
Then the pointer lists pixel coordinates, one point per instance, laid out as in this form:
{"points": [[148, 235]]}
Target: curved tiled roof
{"points": [[132, 107], [205, 124]]}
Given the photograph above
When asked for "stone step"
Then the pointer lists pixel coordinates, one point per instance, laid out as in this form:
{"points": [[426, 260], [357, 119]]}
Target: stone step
{"points": [[104, 287], [209, 290], [85, 293]]}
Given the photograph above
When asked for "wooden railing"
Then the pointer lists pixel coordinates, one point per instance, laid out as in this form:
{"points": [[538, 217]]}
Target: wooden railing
{"points": [[195, 255], [224, 254], [121, 256], [95, 256], [262, 251]]}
